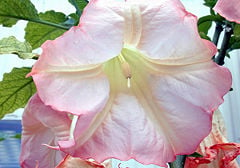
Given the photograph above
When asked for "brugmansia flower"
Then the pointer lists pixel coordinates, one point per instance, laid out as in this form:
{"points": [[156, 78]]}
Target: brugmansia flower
{"points": [[137, 79], [217, 152], [229, 9]]}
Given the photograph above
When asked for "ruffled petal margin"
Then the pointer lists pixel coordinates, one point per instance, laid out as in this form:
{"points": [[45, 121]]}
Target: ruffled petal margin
{"points": [[170, 34], [167, 115], [41, 124], [98, 38], [60, 74]]}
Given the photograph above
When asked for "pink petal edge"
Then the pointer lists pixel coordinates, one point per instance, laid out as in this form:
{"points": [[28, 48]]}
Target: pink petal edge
{"points": [[229, 9]]}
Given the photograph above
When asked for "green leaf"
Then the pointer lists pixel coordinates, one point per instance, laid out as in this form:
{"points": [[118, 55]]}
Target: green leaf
{"points": [[17, 136], [235, 46], [210, 3], [228, 56], [234, 43], [195, 154], [211, 18], [13, 10], [36, 34], [205, 26], [79, 5], [15, 90], [236, 30], [204, 36], [2, 139], [11, 45]]}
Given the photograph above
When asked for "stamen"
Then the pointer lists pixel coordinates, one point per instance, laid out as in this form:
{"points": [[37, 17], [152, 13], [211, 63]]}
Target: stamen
{"points": [[127, 73], [126, 69], [73, 126]]}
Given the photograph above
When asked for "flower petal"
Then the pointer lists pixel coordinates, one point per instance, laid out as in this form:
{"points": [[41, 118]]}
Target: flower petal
{"points": [[42, 125], [229, 9], [149, 135], [170, 34], [194, 85], [72, 60], [98, 38], [77, 92], [164, 114], [71, 162]]}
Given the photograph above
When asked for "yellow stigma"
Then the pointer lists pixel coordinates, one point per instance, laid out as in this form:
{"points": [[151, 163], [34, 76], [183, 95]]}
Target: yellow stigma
{"points": [[126, 69]]}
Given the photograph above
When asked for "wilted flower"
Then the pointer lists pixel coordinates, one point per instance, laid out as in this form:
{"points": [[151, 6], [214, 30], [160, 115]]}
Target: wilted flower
{"points": [[137, 78], [217, 152], [229, 9]]}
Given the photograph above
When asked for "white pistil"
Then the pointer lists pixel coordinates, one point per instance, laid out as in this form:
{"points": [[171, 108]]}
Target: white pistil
{"points": [[128, 82], [73, 126]]}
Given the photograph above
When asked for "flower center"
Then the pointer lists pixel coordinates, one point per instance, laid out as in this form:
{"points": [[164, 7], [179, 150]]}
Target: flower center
{"points": [[125, 69]]}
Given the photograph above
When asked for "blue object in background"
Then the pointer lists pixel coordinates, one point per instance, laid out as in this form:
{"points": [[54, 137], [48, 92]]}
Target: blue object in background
{"points": [[10, 146]]}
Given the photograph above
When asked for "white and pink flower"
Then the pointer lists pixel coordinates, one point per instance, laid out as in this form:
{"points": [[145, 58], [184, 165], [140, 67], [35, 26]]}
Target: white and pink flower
{"points": [[137, 79]]}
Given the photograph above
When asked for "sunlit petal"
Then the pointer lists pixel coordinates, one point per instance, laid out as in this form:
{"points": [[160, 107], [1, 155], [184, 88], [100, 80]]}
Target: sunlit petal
{"points": [[168, 31], [77, 92], [98, 38]]}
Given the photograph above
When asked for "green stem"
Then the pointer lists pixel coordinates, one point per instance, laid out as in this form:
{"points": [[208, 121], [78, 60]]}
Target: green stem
{"points": [[36, 20], [209, 18], [79, 12], [226, 39]]}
